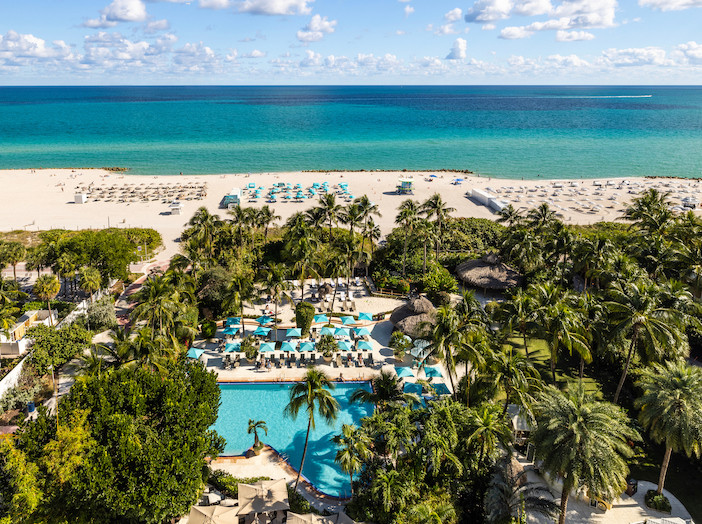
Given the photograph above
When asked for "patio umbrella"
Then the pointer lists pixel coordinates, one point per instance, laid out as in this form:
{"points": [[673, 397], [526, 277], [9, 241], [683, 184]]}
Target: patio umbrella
{"points": [[321, 319], [342, 332], [364, 345], [233, 321], [264, 496], [403, 371], [195, 353], [306, 346], [267, 346], [230, 348], [431, 371], [411, 387], [265, 319], [365, 316], [261, 331], [348, 320], [344, 345], [289, 345], [231, 331], [440, 388], [294, 332], [213, 515], [362, 332], [327, 331]]}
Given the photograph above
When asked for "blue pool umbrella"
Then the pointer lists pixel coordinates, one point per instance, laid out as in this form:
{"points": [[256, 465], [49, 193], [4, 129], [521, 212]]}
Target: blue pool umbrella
{"points": [[261, 331], [320, 318], [327, 331], [289, 345], [362, 332], [431, 371], [267, 346], [342, 332], [306, 346], [294, 332], [195, 353], [440, 388], [411, 387], [348, 320], [364, 345], [365, 316], [265, 319], [230, 348], [344, 345], [231, 331], [403, 371], [233, 321]]}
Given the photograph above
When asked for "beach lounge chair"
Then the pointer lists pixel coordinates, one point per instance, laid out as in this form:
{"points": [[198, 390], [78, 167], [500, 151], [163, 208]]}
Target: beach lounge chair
{"points": [[301, 363], [359, 359], [313, 359], [370, 361], [237, 361], [349, 360]]}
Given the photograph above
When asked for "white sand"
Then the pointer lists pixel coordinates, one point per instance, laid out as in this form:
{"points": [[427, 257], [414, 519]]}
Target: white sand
{"points": [[43, 199]]}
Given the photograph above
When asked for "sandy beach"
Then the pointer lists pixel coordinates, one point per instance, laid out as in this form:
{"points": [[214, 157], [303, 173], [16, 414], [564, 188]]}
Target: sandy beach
{"points": [[45, 199]]}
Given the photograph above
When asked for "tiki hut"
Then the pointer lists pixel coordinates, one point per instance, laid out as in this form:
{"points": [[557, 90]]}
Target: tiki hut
{"points": [[488, 272], [414, 318], [324, 290]]}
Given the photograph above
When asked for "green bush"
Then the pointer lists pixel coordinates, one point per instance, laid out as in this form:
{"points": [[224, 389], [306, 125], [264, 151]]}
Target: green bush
{"points": [[298, 503], [399, 343], [439, 279], [208, 329], [25, 391], [249, 348], [61, 308], [327, 345], [655, 501], [52, 347], [304, 315], [228, 484], [101, 315]]}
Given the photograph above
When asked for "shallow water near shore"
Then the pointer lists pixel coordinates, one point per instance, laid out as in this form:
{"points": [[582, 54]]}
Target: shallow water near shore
{"points": [[510, 132]]}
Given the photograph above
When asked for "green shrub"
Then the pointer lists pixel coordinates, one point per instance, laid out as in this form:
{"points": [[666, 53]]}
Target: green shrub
{"points": [[249, 348], [399, 343], [304, 315], [52, 347], [208, 329], [101, 315], [439, 298], [298, 503], [439, 279], [228, 484], [655, 501], [327, 345], [61, 308]]}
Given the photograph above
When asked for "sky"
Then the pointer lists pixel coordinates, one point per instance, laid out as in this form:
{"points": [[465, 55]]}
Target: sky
{"points": [[321, 42]]}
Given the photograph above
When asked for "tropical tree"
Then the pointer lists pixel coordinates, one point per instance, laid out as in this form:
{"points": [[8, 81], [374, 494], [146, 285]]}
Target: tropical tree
{"points": [[354, 447], [330, 210], [276, 286], [488, 430], [158, 304], [265, 217], [90, 280], [352, 216], [509, 215], [541, 218], [406, 217], [313, 395], [445, 337], [515, 374], [426, 233], [13, 253], [518, 312], [203, 230], [435, 207], [387, 389], [650, 212], [46, 288], [254, 427], [670, 408], [583, 441]]}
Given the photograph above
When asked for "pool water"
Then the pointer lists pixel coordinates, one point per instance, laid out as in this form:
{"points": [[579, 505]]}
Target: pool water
{"points": [[266, 401]]}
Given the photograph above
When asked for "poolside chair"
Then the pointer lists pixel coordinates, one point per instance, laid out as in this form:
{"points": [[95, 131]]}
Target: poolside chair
{"points": [[313, 359], [237, 361], [370, 361], [359, 359], [301, 362], [349, 360]]}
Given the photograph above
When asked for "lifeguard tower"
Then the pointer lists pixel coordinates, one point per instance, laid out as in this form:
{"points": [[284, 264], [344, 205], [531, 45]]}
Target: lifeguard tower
{"points": [[405, 186]]}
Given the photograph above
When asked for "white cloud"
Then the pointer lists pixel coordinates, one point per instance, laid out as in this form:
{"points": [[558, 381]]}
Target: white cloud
{"points": [[409, 10], [156, 26], [16, 48], [573, 36], [254, 54], [691, 52], [458, 51], [276, 7], [569, 61], [454, 15], [488, 27], [215, 4], [315, 30], [636, 56], [119, 11], [489, 11], [311, 59], [232, 55], [399, 32], [532, 7], [670, 5], [515, 33]]}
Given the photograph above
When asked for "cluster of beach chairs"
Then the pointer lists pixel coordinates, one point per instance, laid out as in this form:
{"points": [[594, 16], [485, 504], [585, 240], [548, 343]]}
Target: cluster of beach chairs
{"points": [[288, 192], [294, 360], [144, 192]]}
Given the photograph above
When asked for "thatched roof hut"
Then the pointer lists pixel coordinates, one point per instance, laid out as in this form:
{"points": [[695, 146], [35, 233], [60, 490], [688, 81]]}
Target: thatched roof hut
{"points": [[414, 318], [324, 290], [488, 272]]}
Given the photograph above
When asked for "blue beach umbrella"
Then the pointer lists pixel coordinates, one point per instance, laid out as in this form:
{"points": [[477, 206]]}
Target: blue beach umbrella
{"points": [[288, 345], [344, 345], [403, 371], [294, 332], [233, 321], [306, 346], [265, 319], [364, 345], [362, 332], [365, 316], [342, 332], [440, 388], [267, 346], [195, 353], [431, 371], [230, 348], [321, 319], [327, 331], [261, 331], [411, 387], [348, 320], [231, 331]]}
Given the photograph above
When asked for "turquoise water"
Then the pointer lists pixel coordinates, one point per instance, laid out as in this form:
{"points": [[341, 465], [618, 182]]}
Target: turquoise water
{"points": [[564, 132], [266, 401]]}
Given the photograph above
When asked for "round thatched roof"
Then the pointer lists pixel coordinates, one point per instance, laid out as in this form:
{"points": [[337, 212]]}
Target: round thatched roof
{"points": [[488, 272], [325, 289], [415, 317]]}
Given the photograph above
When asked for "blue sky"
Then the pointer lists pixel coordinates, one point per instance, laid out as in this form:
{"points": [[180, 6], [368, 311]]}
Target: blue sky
{"points": [[350, 42]]}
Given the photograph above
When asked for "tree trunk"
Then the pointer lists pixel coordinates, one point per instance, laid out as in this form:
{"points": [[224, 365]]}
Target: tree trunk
{"points": [[526, 348], [404, 254], [582, 368], [14, 272], [243, 326], [51, 317], [275, 323], [304, 452], [504, 410], [351, 479], [626, 366], [664, 469], [334, 295], [564, 504], [553, 370], [424, 265]]}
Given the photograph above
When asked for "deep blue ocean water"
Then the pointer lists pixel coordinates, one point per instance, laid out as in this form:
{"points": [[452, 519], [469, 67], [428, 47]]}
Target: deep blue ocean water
{"points": [[553, 132]]}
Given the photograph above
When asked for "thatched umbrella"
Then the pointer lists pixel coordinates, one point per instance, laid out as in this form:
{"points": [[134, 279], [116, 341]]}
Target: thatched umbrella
{"points": [[488, 272], [414, 318], [324, 290]]}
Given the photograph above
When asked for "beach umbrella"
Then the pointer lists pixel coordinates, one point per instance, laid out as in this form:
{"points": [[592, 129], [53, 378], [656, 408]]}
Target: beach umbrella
{"points": [[231, 348], [214, 515], [233, 321], [321, 319], [342, 332], [440, 388], [265, 319], [348, 320], [411, 387], [261, 331], [362, 332], [403, 371], [231, 331], [306, 346], [264, 496], [294, 332], [364, 345], [327, 331], [431, 371], [365, 316], [344, 345], [289, 345], [195, 353], [267, 346]]}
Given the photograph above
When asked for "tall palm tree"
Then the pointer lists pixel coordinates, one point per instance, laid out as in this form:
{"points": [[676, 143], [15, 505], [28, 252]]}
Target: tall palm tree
{"points": [[90, 280], [13, 254], [65, 268], [159, 304], [371, 232], [634, 311], [368, 208], [352, 216], [474, 347], [254, 427], [426, 232], [301, 248], [445, 337], [265, 218], [515, 375], [650, 212], [541, 218], [584, 442], [331, 210], [46, 288], [387, 390], [518, 312], [276, 286], [315, 218], [203, 229], [510, 215], [489, 430], [239, 290], [312, 394], [354, 447], [407, 217], [435, 206], [670, 408]]}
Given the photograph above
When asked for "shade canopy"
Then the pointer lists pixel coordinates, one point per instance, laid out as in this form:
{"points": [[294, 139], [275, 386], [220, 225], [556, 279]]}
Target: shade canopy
{"points": [[344, 345], [261, 331], [342, 332], [365, 316], [263, 497], [364, 345], [265, 319], [307, 346], [320, 319], [195, 352], [214, 515], [348, 320], [403, 371], [289, 345], [311, 518], [431, 371], [231, 330], [230, 348], [327, 331], [362, 332], [488, 272], [267, 346], [411, 387], [233, 321], [293, 332], [440, 388]]}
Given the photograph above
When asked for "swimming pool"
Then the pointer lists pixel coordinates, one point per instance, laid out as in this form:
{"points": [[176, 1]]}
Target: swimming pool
{"points": [[266, 401]]}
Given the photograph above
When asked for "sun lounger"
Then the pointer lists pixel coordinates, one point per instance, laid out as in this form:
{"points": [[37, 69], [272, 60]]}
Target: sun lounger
{"points": [[301, 362], [370, 361], [313, 359]]}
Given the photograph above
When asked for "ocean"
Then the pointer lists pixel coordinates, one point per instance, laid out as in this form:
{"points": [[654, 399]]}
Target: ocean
{"points": [[525, 131]]}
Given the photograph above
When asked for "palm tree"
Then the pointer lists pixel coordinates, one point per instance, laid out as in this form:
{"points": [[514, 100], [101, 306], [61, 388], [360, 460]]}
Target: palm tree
{"points": [[312, 394], [583, 441], [634, 311], [331, 210], [670, 406], [392, 490], [445, 337], [354, 447], [489, 430], [515, 374], [254, 427], [13, 253], [371, 231], [46, 288], [387, 389], [650, 211], [157, 303], [315, 218], [265, 217], [276, 286], [203, 229], [541, 218], [240, 289], [426, 232], [90, 280], [368, 208], [65, 268], [352, 216], [509, 215], [407, 216], [435, 206], [518, 312]]}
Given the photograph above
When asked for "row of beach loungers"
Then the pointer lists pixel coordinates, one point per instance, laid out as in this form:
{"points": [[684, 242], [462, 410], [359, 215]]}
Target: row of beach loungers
{"points": [[145, 193], [281, 360]]}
